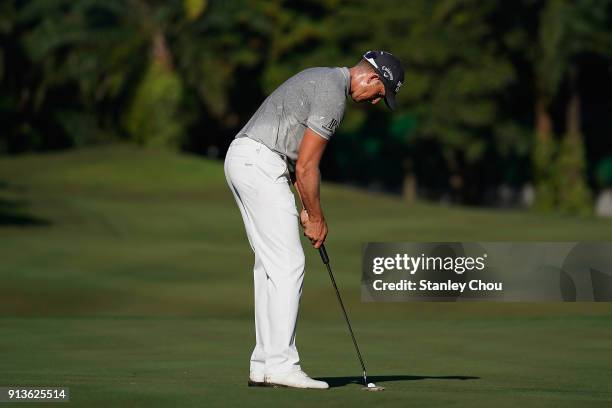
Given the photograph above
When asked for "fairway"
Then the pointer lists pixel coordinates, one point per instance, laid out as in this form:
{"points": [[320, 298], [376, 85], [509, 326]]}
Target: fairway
{"points": [[126, 276]]}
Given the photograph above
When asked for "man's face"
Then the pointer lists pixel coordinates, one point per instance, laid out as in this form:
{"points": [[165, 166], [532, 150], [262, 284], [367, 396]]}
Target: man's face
{"points": [[369, 88]]}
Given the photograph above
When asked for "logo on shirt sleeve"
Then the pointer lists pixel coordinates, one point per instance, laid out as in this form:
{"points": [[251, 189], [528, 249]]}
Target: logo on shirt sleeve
{"points": [[331, 126]]}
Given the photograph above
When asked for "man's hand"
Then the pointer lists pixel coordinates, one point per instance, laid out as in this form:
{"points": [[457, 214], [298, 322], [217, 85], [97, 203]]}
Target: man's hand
{"points": [[316, 231], [303, 217]]}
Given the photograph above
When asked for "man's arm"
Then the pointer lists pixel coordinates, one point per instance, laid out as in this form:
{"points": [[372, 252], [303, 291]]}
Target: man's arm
{"points": [[295, 185], [303, 212], [307, 184]]}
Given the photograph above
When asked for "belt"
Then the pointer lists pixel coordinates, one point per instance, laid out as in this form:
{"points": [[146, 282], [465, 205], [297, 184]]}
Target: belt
{"points": [[282, 156]]}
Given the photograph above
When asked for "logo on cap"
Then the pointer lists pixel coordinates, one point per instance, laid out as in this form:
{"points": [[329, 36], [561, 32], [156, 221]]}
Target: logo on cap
{"points": [[387, 72], [399, 85]]}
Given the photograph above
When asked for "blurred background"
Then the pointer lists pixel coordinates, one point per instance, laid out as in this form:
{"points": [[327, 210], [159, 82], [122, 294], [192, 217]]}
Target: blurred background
{"points": [[505, 104]]}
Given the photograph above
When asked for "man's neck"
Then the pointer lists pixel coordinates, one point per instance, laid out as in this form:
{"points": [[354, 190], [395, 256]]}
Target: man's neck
{"points": [[352, 77]]}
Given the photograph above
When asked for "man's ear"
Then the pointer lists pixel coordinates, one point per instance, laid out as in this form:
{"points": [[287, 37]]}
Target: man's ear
{"points": [[372, 77]]}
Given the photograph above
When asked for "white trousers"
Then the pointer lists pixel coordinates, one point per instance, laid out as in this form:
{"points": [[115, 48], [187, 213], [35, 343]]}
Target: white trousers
{"points": [[260, 182]]}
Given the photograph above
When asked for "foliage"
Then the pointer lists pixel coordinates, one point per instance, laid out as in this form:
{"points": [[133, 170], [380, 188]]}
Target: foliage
{"points": [[189, 73], [604, 172], [544, 154], [566, 30], [574, 196], [153, 117]]}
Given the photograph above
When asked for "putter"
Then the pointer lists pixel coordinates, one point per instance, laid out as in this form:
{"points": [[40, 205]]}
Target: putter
{"points": [[367, 386]]}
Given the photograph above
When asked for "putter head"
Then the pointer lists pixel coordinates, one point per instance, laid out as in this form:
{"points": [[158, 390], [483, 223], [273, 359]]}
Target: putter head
{"points": [[373, 387]]}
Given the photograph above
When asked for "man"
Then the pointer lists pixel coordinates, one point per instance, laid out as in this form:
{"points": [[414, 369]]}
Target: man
{"points": [[283, 142]]}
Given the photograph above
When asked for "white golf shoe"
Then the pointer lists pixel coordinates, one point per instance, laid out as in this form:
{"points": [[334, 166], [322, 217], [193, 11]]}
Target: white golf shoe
{"points": [[294, 379], [256, 380]]}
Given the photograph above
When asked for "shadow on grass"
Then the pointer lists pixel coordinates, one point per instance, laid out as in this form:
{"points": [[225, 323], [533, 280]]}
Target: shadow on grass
{"points": [[12, 212], [342, 381]]}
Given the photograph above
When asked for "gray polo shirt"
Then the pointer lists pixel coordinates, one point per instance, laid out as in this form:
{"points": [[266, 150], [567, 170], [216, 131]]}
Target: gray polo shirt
{"points": [[313, 98]]}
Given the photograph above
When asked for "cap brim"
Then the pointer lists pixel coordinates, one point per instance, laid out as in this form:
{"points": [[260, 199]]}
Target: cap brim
{"points": [[389, 97]]}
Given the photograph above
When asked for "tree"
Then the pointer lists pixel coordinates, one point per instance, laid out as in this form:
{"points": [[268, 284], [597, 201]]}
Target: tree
{"points": [[567, 30], [147, 69], [116, 52], [588, 32], [547, 65], [455, 70]]}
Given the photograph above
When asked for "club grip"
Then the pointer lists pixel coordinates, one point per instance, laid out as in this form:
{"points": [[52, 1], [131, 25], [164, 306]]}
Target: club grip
{"points": [[323, 254]]}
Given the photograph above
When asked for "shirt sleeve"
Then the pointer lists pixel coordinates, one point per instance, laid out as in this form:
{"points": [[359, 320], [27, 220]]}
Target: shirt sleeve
{"points": [[326, 110]]}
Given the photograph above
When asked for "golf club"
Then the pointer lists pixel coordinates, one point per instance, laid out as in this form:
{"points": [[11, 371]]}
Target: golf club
{"points": [[325, 258]]}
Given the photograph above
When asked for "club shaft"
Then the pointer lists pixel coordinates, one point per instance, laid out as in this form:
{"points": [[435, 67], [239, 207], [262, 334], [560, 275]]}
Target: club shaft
{"points": [[325, 259]]}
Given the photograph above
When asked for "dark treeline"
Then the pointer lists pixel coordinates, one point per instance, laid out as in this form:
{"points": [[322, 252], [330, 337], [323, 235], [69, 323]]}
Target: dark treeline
{"points": [[498, 96]]}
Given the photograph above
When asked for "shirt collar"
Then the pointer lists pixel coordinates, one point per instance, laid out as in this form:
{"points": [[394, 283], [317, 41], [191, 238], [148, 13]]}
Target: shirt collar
{"points": [[347, 77]]}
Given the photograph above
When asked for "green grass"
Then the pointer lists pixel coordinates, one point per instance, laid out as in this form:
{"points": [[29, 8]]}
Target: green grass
{"points": [[126, 276]]}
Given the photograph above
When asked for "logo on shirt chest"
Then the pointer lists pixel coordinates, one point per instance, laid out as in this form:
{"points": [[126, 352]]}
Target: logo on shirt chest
{"points": [[331, 126]]}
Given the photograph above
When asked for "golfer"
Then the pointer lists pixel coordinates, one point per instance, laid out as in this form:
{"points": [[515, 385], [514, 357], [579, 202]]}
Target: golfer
{"points": [[282, 144]]}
